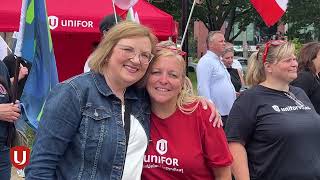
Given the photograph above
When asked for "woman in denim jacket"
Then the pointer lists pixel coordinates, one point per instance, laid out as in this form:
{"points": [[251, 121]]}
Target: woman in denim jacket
{"points": [[81, 134]]}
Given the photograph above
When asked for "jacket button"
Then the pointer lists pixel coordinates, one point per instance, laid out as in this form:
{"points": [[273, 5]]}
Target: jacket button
{"points": [[95, 113]]}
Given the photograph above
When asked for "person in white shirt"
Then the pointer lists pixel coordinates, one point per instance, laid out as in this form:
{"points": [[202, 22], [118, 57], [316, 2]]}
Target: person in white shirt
{"points": [[213, 78]]}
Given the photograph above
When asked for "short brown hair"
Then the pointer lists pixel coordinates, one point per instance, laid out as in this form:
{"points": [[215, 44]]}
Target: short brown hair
{"points": [[307, 54], [125, 29], [228, 48], [211, 34]]}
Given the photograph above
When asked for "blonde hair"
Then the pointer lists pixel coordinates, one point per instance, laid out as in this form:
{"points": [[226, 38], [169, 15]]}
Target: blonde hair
{"points": [[167, 43], [125, 29], [187, 95], [228, 48], [256, 72]]}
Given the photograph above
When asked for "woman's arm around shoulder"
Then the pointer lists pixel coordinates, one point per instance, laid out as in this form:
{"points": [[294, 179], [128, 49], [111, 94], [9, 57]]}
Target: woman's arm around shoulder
{"points": [[215, 117]]}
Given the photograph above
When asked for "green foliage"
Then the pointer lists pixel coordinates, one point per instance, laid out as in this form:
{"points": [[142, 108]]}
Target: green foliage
{"points": [[303, 18], [30, 136], [215, 12], [193, 78], [297, 44], [172, 7]]}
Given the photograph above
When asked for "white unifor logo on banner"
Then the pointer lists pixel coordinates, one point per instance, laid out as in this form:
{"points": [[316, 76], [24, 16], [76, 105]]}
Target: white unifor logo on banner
{"points": [[54, 22]]}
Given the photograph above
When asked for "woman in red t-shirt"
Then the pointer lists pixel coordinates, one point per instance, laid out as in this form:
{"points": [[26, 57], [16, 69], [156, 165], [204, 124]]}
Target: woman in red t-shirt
{"points": [[183, 143]]}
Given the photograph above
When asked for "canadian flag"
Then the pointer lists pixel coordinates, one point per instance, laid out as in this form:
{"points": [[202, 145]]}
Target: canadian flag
{"points": [[125, 4], [270, 10], [124, 9]]}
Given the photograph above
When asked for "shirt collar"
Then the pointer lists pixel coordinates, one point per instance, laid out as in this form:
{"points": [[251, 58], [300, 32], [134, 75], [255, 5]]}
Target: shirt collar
{"points": [[210, 53]]}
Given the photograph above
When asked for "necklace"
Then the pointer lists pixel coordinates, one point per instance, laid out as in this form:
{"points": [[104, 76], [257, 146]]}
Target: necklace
{"points": [[290, 95]]}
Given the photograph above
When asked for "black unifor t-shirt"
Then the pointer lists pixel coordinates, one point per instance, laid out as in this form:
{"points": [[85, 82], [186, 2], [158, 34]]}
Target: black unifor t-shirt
{"points": [[280, 137], [311, 85]]}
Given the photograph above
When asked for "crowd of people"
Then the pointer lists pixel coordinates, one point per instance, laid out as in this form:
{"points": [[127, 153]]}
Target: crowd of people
{"points": [[134, 114]]}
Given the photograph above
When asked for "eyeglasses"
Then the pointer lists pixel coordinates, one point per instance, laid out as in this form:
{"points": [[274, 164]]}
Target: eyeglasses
{"points": [[130, 53], [267, 46], [176, 50]]}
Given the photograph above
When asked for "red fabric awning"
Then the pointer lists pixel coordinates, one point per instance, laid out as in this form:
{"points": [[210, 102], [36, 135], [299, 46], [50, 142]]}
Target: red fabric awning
{"points": [[77, 27], [85, 15]]}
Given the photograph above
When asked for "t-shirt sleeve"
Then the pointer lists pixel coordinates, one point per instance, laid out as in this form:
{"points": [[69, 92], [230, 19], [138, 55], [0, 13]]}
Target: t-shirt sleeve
{"points": [[241, 121], [304, 81], [214, 143]]}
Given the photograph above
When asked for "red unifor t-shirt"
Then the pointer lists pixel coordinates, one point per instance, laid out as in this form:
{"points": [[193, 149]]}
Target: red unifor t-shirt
{"points": [[185, 146]]}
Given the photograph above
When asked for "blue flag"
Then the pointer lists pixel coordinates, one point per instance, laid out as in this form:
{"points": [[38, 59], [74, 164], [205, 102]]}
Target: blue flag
{"points": [[36, 48]]}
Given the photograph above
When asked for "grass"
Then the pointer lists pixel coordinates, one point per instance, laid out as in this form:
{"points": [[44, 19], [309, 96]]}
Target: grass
{"points": [[30, 136], [193, 78]]}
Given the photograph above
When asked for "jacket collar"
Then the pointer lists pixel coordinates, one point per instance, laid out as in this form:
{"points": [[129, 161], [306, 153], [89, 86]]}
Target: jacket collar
{"points": [[105, 90]]}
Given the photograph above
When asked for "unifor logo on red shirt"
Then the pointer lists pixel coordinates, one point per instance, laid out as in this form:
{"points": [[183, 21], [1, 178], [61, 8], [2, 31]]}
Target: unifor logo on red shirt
{"points": [[162, 146], [20, 156]]}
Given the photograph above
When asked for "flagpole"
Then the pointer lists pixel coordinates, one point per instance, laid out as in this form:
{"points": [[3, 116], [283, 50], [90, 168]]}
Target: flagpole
{"points": [[186, 28], [114, 12], [17, 49]]}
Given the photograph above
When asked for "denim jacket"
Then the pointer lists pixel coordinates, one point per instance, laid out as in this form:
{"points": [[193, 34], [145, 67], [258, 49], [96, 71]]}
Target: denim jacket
{"points": [[81, 134]]}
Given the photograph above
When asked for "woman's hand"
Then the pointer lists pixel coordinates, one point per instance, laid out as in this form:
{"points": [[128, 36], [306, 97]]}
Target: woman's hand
{"points": [[23, 72], [10, 111], [215, 115]]}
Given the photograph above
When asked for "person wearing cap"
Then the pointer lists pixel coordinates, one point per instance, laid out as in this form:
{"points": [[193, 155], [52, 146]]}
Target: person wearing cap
{"points": [[105, 24]]}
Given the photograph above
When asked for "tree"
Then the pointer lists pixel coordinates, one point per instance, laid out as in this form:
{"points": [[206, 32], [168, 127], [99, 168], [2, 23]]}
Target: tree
{"points": [[215, 12], [303, 19]]}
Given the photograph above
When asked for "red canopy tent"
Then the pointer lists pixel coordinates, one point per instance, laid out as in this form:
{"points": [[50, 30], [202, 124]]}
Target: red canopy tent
{"points": [[75, 27]]}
